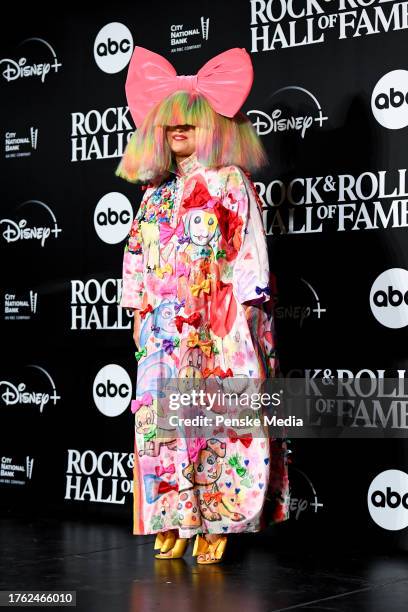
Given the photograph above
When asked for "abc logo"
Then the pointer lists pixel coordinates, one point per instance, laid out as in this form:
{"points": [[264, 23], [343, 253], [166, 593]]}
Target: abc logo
{"points": [[389, 298], [113, 217], [388, 500], [389, 100], [112, 390], [113, 47]]}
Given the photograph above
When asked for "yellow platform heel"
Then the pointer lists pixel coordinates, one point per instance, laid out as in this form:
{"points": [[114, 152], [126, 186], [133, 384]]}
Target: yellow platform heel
{"points": [[165, 540], [160, 538], [176, 551], [200, 545], [214, 553]]}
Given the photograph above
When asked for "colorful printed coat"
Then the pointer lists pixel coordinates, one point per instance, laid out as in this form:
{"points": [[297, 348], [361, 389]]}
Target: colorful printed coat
{"points": [[196, 265]]}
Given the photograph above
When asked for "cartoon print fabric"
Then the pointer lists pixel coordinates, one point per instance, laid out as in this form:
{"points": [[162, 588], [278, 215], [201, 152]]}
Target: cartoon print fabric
{"points": [[195, 256]]}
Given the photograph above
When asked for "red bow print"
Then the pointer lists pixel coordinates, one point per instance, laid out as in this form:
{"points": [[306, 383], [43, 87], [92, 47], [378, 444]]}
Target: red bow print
{"points": [[194, 319], [165, 487], [245, 439], [143, 313], [208, 497], [217, 371], [200, 197]]}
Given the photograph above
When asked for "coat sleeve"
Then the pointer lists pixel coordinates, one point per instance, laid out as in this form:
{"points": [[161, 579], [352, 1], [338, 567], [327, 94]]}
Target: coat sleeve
{"points": [[250, 277], [133, 288]]}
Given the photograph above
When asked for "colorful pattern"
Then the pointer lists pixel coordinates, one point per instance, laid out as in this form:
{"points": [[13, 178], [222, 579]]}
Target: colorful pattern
{"points": [[196, 265]]}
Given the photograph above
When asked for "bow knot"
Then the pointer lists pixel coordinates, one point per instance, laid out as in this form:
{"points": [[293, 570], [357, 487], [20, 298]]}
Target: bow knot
{"points": [[150, 435], [169, 344], [145, 400], [188, 82], [161, 271], [245, 439], [166, 487], [225, 81], [217, 371], [260, 290], [209, 497], [194, 340], [194, 319], [203, 286], [143, 313], [141, 353], [179, 305], [169, 469], [167, 231], [195, 446]]}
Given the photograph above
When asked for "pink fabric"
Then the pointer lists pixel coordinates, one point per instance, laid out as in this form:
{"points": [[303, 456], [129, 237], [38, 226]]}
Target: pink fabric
{"points": [[225, 81]]}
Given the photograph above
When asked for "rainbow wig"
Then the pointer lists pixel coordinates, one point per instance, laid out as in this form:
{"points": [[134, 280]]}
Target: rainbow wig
{"points": [[220, 141]]}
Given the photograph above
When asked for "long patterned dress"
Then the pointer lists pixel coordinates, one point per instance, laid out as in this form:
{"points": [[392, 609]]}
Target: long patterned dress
{"points": [[196, 265]]}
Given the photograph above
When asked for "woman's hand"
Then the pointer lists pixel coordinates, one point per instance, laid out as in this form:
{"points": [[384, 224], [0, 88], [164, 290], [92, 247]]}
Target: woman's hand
{"points": [[136, 328]]}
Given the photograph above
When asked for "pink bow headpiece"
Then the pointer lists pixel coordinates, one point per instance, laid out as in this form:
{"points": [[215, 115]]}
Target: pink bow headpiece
{"points": [[225, 81]]}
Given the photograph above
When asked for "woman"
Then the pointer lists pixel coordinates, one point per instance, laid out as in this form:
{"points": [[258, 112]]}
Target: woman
{"points": [[196, 274]]}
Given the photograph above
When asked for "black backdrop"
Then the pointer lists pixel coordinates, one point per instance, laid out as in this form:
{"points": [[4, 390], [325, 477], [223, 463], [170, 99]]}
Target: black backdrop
{"points": [[323, 75]]}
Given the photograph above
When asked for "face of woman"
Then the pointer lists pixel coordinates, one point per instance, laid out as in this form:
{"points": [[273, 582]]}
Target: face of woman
{"points": [[181, 139]]}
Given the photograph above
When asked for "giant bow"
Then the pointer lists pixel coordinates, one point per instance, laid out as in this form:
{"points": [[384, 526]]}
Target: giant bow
{"points": [[225, 81]]}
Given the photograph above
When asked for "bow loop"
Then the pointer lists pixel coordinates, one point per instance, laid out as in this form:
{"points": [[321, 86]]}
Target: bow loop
{"points": [[225, 81]]}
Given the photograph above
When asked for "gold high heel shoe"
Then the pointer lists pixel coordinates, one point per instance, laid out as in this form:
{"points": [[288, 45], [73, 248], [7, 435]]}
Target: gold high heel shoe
{"points": [[160, 538], [214, 553], [176, 551], [200, 545], [165, 540]]}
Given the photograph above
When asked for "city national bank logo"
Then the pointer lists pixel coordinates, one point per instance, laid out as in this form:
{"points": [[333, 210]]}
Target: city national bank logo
{"points": [[184, 37], [308, 307], [285, 24], [95, 305], [20, 146], [387, 500], [100, 135], [113, 47], [20, 308], [389, 298], [13, 69], [389, 100], [38, 392], [15, 472], [105, 478], [39, 230], [276, 121]]}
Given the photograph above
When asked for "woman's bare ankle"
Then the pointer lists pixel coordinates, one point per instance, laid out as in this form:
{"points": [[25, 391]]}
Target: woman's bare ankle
{"points": [[212, 537]]}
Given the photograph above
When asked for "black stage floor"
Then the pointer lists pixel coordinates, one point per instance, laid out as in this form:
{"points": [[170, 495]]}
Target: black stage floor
{"points": [[112, 570]]}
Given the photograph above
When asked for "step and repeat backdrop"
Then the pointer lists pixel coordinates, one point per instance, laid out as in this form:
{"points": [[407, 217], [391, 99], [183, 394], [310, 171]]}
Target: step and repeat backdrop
{"points": [[330, 101]]}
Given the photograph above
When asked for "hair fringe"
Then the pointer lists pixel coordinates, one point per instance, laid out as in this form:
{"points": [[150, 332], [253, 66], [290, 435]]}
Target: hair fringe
{"points": [[220, 141]]}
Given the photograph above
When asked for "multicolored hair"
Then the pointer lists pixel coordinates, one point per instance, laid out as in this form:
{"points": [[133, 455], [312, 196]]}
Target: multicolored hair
{"points": [[220, 141]]}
